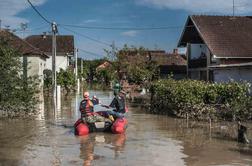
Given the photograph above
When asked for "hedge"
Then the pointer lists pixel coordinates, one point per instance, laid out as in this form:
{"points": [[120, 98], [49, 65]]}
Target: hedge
{"points": [[201, 100]]}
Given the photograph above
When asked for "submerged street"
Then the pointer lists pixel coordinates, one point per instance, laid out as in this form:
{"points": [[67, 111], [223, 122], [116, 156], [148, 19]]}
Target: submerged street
{"points": [[149, 140]]}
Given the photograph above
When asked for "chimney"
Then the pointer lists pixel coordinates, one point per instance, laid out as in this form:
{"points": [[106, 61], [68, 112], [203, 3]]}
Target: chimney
{"points": [[175, 51]]}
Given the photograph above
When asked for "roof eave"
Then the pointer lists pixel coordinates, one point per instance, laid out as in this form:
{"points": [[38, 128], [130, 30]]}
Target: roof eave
{"points": [[231, 57], [232, 65], [183, 32]]}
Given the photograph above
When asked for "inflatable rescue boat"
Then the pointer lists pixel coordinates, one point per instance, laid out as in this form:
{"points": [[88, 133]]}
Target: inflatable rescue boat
{"points": [[118, 126]]}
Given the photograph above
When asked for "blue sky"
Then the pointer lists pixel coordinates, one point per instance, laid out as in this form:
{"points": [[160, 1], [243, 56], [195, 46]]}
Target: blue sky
{"points": [[115, 13]]}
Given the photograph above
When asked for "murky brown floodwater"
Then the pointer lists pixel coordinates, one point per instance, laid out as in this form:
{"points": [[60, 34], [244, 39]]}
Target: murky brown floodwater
{"points": [[149, 140]]}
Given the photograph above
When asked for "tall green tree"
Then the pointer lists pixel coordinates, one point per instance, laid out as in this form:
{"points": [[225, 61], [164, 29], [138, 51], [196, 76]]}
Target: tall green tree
{"points": [[134, 64], [17, 91]]}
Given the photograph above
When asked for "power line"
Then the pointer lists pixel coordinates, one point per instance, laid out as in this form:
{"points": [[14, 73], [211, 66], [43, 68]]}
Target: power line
{"points": [[31, 30], [92, 53], [34, 8], [122, 28], [85, 36]]}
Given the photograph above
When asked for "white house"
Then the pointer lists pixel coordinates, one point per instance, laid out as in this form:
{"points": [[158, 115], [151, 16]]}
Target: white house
{"points": [[65, 49], [33, 60], [219, 48]]}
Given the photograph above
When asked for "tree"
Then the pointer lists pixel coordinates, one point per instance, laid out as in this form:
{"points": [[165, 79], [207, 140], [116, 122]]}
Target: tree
{"points": [[17, 91], [66, 78], [134, 64], [106, 75], [47, 78]]}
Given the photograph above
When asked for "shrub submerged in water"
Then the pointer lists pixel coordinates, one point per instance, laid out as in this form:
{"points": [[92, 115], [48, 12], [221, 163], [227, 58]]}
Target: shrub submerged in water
{"points": [[201, 100]]}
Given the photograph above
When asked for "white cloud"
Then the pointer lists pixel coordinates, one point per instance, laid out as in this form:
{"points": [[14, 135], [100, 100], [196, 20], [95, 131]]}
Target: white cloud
{"points": [[10, 8], [129, 33], [201, 6], [91, 21]]}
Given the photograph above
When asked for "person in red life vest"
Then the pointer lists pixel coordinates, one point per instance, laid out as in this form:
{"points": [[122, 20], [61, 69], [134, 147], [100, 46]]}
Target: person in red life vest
{"points": [[87, 109]]}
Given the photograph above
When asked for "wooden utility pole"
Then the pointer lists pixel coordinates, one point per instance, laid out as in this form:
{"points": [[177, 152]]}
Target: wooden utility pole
{"points": [[81, 69], [54, 52], [76, 64], [76, 71]]}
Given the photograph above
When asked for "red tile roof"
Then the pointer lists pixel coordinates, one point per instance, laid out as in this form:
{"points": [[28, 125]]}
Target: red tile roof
{"points": [[21, 45], [225, 36], [168, 59], [158, 56], [65, 43], [104, 65]]}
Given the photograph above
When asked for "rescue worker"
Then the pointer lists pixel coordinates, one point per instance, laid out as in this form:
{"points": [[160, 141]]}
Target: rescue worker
{"points": [[118, 104], [87, 109]]}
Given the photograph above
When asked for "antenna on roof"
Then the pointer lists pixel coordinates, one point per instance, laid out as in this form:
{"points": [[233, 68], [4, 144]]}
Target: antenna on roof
{"points": [[233, 8], [23, 27]]}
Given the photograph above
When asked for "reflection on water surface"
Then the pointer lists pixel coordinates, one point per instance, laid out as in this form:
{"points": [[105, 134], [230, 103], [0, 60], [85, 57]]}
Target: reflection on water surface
{"points": [[149, 140]]}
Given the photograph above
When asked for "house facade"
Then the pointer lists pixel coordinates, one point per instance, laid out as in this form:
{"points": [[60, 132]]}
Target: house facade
{"points": [[32, 59], [218, 48], [168, 63], [65, 49]]}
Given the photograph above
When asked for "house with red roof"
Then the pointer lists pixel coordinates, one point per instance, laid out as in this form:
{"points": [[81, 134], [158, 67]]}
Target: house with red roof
{"points": [[65, 49], [33, 59], [219, 48], [172, 63]]}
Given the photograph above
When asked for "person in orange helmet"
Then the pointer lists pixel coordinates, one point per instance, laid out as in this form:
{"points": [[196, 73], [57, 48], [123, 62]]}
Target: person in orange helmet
{"points": [[87, 109]]}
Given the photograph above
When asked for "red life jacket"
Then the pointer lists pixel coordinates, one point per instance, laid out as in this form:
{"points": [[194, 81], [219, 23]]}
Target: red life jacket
{"points": [[86, 107]]}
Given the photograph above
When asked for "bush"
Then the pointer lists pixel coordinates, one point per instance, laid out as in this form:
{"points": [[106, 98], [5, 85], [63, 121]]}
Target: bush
{"points": [[201, 100], [47, 78], [66, 79], [17, 90]]}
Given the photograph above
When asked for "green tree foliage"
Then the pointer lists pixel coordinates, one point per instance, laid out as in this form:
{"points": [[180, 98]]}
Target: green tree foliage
{"points": [[17, 91], [201, 100], [66, 78], [92, 75], [47, 78], [134, 64], [106, 75], [89, 69]]}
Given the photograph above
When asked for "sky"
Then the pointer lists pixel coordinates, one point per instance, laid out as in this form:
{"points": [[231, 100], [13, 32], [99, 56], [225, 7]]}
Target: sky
{"points": [[127, 14]]}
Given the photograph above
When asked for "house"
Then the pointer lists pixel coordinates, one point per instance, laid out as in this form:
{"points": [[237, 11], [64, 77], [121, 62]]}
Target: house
{"points": [[33, 60], [168, 63], [104, 65], [219, 48], [65, 49]]}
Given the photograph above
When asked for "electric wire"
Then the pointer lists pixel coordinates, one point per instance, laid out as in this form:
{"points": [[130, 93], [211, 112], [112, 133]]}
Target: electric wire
{"points": [[122, 28], [31, 30], [34, 8], [91, 53], [87, 37]]}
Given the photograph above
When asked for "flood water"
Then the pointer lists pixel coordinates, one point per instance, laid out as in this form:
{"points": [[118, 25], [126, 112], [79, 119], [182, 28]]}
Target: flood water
{"points": [[149, 140]]}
